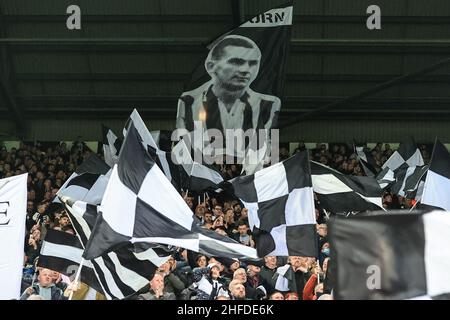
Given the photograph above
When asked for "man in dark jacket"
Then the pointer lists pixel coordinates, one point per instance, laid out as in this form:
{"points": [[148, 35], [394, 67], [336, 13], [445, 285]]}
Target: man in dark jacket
{"points": [[157, 291], [268, 271], [44, 288]]}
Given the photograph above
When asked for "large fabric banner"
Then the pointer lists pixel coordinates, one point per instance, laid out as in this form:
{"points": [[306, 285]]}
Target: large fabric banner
{"points": [[13, 205], [238, 86]]}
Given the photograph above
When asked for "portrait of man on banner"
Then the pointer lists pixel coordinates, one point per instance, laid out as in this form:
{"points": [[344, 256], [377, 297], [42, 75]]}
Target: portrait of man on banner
{"points": [[235, 91], [227, 101]]}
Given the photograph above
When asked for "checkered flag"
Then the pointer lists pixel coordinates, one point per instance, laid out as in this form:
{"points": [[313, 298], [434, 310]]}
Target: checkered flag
{"points": [[87, 183], [141, 205], [407, 154], [280, 205]]}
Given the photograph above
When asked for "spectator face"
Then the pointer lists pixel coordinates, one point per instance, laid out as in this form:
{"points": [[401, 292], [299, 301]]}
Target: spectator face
{"points": [[291, 296], [253, 270], [45, 277], [322, 230], [242, 229], [36, 234], [64, 221], [388, 198], [30, 206], [60, 174], [270, 262], [238, 291], [200, 211], [173, 263], [165, 267], [276, 296], [157, 282], [240, 275], [244, 213], [189, 202], [48, 196], [234, 266], [325, 265], [55, 275], [237, 208], [208, 217], [58, 183], [218, 222], [201, 261], [217, 211], [229, 216], [326, 249], [215, 272], [298, 262], [219, 265], [31, 195]]}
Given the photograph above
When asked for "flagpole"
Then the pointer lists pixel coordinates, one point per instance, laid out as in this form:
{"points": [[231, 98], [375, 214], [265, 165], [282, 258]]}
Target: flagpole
{"points": [[414, 206], [32, 283], [77, 277]]}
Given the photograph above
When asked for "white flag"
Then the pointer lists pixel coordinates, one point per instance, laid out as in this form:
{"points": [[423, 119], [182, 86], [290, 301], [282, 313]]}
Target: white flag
{"points": [[13, 205]]}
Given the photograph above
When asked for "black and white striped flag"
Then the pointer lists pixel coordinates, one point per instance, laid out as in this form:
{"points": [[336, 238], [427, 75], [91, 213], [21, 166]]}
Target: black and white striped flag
{"points": [[124, 271], [280, 205], [141, 205], [436, 190], [393, 255], [343, 193], [63, 252], [111, 146]]}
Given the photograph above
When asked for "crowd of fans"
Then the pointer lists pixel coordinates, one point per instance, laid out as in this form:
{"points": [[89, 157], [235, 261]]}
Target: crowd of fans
{"points": [[186, 275]]}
